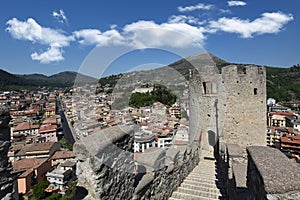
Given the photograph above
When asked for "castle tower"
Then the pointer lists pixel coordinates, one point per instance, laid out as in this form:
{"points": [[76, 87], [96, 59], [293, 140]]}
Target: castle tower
{"points": [[245, 105], [229, 108]]}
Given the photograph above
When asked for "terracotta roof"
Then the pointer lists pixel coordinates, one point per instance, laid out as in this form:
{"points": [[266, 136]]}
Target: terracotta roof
{"points": [[50, 120], [47, 128], [62, 155], [25, 126], [28, 163], [45, 146], [292, 139], [282, 113]]}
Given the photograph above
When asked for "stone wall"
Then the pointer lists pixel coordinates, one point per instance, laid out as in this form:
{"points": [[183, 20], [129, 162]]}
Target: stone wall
{"points": [[106, 166], [271, 175], [245, 115], [230, 105], [107, 170], [164, 175], [6, 179], [235, 172]]}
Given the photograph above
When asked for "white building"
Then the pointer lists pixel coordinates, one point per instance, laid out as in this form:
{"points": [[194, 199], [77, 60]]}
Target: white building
{"points": [[143, 141], [61, 178]]}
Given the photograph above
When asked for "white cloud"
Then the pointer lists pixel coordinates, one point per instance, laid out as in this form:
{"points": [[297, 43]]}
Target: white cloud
{"points": [[199, 6], [53, 54], [179, 31], [96, 37], [144, 34], [30, 30], [60, 16], [225, 11], [175, 19], [178, 35], [236, 3], [267, 23]]}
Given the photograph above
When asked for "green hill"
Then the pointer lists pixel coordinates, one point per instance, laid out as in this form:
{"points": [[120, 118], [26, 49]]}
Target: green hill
{"points": [[283, 84], [10, 81]]}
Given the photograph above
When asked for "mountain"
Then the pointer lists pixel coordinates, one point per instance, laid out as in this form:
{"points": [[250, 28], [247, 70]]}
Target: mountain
{"points": [[283, 84], [61, 80]]}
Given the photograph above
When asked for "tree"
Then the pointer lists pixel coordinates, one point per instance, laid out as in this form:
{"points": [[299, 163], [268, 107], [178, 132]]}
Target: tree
{"points": [[39, 190], [65, 144], [54, 196]]}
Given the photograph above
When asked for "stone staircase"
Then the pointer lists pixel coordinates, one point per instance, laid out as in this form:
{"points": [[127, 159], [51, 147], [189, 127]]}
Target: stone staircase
{"points": [[201, 183]]}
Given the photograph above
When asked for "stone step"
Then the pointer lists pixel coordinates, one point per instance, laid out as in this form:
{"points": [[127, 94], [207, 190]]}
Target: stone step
{"points": [[202, 174], [205, 170], [200, 184], [184, 196], [200, 193], [212, 180], [200, 188]]}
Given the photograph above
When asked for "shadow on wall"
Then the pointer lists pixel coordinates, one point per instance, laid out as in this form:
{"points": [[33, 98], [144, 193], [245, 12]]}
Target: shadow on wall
{"points": [[81, 193]]}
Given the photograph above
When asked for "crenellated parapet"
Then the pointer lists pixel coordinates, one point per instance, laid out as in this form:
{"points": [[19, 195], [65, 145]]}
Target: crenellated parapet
{"points": [[271, 175], [108, 170]]}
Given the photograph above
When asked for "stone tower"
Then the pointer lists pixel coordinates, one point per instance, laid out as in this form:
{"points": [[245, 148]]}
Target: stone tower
{"points": [[229, 107], [245, 112]]}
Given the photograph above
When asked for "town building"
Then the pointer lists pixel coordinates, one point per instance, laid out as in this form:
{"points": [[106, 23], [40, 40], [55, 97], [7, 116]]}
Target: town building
{"points": [[143, 140], [290, 145], [49, 132], [33, 170], [61, 156], [61, 177]]}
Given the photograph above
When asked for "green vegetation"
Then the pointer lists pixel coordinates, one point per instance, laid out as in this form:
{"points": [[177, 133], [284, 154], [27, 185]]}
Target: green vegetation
{"points": [[54, 196], [70, 192], [14, 82], [39, 190], [283, 84], [65, 144], [160, 93]]}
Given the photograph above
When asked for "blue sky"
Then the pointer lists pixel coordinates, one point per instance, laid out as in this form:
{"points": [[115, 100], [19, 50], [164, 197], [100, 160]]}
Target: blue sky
{"points": [[53, 36]]}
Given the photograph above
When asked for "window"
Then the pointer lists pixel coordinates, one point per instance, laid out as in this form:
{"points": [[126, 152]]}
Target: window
{"points": [[204, 87], [255, 91], [209, 87]]}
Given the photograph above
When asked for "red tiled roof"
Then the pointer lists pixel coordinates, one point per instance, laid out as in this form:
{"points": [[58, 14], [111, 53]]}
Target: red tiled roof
{"points": [[45, 146], [25, 126], [292, 139], [62, 155], [281, 113], [50, 120], [28, 163], [47, 127]]}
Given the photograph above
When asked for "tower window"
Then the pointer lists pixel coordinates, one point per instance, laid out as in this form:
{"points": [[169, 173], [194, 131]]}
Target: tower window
{"points": [[204, 87], [255, 91]]}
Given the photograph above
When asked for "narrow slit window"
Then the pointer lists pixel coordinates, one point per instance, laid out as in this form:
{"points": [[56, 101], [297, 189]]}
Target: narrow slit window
{"points": [[204, 87], [255, 91]]}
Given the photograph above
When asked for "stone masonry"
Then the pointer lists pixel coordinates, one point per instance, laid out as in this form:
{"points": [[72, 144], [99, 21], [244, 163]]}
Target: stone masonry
{"points": [[271, 175], [6, 179]]}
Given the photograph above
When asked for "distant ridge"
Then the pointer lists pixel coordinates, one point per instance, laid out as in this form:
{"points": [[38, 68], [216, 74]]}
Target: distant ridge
{"points": [[60, 80], [283, 84]]}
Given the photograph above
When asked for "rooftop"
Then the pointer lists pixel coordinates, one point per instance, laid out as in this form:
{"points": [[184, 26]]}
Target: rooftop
{"points": [[26, 126], [62, 155]]}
